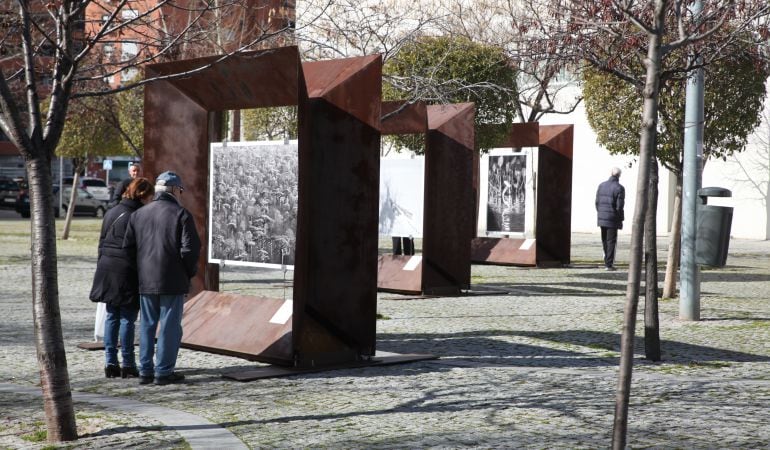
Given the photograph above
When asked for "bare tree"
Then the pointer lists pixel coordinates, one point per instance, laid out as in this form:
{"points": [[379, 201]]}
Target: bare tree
{"points": [[56, 49], [614, 36], [547, 82]]}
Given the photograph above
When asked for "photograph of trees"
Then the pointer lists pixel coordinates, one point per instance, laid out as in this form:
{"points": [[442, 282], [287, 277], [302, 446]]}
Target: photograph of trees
{"points": [[506, 193]]}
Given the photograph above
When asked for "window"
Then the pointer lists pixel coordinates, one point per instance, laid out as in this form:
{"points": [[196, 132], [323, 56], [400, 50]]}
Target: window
{"points": [[129, 50], [129, 14]]}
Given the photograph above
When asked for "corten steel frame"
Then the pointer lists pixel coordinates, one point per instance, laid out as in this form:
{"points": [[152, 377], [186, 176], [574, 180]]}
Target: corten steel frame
{"points": [[450, 205], [335, 292], [553, 202]]}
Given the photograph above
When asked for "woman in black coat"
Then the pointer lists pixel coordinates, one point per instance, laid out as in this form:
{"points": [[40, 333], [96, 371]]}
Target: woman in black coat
{"points": [[116, 283]]}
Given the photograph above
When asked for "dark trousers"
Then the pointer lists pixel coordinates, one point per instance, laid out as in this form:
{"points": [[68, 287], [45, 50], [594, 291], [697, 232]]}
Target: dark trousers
{"points": [[609, 242]]}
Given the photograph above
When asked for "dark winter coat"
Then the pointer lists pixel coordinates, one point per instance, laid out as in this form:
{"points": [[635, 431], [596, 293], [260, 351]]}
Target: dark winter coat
{"points": [[117, 194], [115, 280], [163, 237], [610, 199]]}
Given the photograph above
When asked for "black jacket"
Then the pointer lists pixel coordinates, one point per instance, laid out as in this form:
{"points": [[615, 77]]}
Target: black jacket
{"points": [[115, 280], [163, 237], [117, 194], [610, 199]]}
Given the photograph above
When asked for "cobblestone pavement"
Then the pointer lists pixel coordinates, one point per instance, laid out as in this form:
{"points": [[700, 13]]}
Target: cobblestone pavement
{"points": [[534, 368]]}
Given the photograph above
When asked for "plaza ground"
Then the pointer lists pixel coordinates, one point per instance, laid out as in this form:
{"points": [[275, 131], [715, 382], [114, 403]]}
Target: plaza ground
{"points": [[533, 368]]}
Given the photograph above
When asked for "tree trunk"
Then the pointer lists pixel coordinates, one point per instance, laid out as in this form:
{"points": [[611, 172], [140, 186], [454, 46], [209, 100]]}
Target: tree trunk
{"points": [[646, 148], [71, 206], [51, 357], [651, 322], [234, 126], [674, 243]]}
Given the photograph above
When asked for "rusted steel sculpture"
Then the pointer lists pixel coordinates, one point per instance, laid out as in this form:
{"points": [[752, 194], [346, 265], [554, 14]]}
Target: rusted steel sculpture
{"points": [[450, 205], [553, 228], [332, 316]]}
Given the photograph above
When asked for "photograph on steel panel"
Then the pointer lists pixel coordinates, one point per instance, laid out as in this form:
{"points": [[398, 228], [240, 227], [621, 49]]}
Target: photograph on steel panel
{"points": [[506, 193], [401, 196], [253, 203]]}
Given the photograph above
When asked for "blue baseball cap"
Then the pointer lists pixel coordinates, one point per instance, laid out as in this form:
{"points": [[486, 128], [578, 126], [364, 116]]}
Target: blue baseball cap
{"points": [[169, 179]]}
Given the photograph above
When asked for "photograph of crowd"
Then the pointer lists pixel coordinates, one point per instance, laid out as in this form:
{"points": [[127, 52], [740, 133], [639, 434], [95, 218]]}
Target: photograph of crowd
{"points": [[506, 193], [401, 196], [253, 203]]}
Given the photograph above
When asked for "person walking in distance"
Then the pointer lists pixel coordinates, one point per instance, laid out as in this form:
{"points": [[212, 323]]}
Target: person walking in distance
{"points": [[134, 170], [610, 198], [163, 238], [115, 281]]}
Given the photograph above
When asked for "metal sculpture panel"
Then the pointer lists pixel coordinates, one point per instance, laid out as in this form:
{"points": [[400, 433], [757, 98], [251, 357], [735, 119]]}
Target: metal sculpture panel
{"points": [[332, 317]]}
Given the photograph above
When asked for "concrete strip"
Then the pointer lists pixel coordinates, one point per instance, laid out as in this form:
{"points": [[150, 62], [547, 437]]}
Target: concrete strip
{"points": [[197, 431]]}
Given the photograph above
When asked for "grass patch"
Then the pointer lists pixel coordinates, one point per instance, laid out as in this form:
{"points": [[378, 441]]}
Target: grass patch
{"points": [[382, 317], [36, 436]]}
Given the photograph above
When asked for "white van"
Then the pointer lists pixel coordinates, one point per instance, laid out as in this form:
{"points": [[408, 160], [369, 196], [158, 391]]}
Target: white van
{"points": [[94, 186]]}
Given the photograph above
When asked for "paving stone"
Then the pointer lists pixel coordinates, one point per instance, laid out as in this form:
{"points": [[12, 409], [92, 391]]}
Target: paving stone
{"points": [[534, 368]]}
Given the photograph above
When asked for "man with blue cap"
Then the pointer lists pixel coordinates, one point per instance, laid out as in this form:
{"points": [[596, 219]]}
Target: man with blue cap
{"points": [[166, 246]]}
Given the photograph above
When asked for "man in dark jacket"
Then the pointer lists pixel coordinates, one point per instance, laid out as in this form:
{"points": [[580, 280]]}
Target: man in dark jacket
{"points": [[163, 237], [610, 198], [134, 170]]}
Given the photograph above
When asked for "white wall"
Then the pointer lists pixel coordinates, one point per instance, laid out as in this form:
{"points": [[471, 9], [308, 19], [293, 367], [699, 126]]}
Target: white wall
{"points": [[592, 165]]}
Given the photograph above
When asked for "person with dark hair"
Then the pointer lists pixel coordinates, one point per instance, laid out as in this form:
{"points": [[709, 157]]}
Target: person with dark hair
{"points": [[115, 281], [610, 198], [165, 243], [134, 170]]}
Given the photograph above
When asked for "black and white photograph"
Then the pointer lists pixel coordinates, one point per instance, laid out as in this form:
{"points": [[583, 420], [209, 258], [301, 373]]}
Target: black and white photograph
{"points": [[506, 194], [253, 217], [401, 196]]}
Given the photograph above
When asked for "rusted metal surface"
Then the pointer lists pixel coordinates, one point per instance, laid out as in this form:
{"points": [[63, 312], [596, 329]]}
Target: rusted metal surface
{"points": [[504, 252], [237, 82], [558, 138], [402, 118], [450, 200], [335, 280], [212, 320], [334, 309], [523, 135], [349, 84], [178, 127], [554, 195], [396, 274], [553, 224], [176, 138]]}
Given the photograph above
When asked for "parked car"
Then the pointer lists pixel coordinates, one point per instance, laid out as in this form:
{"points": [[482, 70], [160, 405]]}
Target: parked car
{"points": [[85, 203], [95, 186], [9, 190]]}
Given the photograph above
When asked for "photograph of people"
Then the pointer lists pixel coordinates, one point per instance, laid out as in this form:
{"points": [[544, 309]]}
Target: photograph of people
{"points": [[254, 203]]}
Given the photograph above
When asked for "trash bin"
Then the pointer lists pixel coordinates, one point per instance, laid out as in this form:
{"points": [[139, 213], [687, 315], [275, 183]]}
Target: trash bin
{"points": [[712, 235]]}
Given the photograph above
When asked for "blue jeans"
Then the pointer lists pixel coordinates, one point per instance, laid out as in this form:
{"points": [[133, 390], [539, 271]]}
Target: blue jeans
{"points": [[166, 311], [119, 321]]}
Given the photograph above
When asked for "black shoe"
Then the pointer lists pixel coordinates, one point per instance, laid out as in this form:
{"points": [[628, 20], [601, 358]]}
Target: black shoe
{"points": [[169, 379], [111, 371], [145, 379], [128, 372]]}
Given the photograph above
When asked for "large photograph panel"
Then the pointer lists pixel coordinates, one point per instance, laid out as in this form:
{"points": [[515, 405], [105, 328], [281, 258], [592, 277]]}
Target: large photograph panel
{"points": [[506, 198], [401, 196], [253, 216]]}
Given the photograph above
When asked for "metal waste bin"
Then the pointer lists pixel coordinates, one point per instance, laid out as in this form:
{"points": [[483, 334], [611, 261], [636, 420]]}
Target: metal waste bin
{"points": [[712, 235]]}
